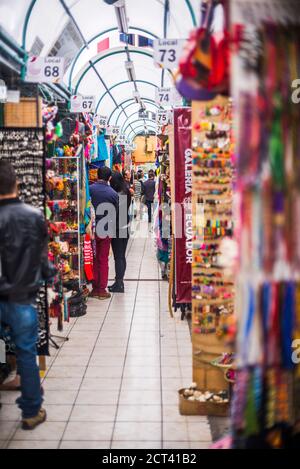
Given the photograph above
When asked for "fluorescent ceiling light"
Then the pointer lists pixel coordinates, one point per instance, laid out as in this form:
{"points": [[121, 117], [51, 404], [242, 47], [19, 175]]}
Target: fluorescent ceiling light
{"points": [[129, 65], [121, 17]]}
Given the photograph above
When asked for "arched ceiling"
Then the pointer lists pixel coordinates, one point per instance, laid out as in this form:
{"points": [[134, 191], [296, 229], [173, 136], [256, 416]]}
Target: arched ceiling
{"points": [[27, 20]]}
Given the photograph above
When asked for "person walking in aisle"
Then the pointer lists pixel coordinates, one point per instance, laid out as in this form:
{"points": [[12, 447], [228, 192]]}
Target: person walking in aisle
{"points": [[24, 266], [149, 191], [102, 193], [119, 243]]}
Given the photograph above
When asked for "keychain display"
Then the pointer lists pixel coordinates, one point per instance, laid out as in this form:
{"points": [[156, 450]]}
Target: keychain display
{"points": [[213, 293], [24, 149]]}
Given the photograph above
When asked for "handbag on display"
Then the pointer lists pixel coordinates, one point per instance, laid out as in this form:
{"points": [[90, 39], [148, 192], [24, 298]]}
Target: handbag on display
{"points": [[204, 66], [77, 305]]}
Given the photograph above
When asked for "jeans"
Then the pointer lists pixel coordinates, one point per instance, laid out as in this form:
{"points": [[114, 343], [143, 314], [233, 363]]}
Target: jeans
{"points": [[101, 264], [119, 246], [23, 322], [149, 206]]}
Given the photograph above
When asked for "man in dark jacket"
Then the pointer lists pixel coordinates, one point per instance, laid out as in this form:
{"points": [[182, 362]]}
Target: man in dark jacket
{"points": [[149, 191], [105, 202], [23, 266]]}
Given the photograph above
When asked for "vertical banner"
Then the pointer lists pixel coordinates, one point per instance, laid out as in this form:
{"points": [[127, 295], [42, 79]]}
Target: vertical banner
{"points": [[183, 229]]}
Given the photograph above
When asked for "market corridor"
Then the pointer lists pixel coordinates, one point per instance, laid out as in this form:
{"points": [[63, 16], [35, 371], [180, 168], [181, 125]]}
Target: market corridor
{"points": [[114, 383]]}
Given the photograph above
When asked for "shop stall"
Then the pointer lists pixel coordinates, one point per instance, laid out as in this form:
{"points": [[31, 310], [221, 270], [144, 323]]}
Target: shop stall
{"points": [[265, 411]]}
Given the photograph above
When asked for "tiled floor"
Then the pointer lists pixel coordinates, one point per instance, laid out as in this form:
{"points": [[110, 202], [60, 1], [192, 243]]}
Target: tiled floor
{"points": [[114, 383]]}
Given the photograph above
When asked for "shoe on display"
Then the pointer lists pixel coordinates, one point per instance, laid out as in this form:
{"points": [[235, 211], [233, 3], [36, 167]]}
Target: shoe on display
{"points": [[31, 423], [104, 295], [117, 287]]}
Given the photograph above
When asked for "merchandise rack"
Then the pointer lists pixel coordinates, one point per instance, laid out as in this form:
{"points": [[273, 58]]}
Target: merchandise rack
{"points": [[79, 162], [39, 201], [209, 231]]}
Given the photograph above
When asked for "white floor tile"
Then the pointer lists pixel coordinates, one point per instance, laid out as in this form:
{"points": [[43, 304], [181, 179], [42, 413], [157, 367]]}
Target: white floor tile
{"points": [[136, 445], [135, 413], [47, 431], [97, 397], [139, 398], [29, 444], [66, 371], [93, 413], [85, 445], [146, 431], [88, 431], [94, 384]]}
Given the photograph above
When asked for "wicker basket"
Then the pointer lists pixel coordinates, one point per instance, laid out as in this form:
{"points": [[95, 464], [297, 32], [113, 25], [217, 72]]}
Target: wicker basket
{"points": [[187, 407]]}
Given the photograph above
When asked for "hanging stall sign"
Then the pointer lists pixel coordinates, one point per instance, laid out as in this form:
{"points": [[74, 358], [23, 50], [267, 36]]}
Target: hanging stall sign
{"points": [[162, 118], [183, 229], [122, 139], [167, 97], [45, 69], [116, 130], [163, 96], [82, 103], [100, 120], [167, 52]]}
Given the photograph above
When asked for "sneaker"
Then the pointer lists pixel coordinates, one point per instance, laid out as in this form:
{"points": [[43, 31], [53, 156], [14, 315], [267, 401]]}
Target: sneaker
{"points": [[31, 423], [117, 287], [104, 295]]}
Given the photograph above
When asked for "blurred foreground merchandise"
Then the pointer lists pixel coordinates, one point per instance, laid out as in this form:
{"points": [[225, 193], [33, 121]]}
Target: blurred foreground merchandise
{"points": [[266, 407]]}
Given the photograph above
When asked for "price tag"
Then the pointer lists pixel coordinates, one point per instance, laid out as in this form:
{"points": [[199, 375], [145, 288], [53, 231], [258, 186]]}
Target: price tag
{"points": [[3, 93], [109, 130], [162, 118], [82, 103], [167, 52], [13, 96], [45, 69], [101, 121], [2, 352]]}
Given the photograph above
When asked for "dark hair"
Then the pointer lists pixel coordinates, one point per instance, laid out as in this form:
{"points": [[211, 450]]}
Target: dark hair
{"points": [[8, 178], [104, 173], [117, 182], [151, 174]]}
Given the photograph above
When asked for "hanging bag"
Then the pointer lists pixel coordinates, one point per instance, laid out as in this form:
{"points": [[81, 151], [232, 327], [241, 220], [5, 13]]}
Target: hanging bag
{"points": [[204, 67]]}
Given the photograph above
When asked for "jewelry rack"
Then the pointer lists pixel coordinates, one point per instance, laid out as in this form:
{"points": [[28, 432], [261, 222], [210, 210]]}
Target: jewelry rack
{"points": [[24, 148], [212, 289]]}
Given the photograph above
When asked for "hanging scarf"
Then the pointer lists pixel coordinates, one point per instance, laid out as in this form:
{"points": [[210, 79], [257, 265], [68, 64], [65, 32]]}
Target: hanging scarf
{"points": [[287, 321]]}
